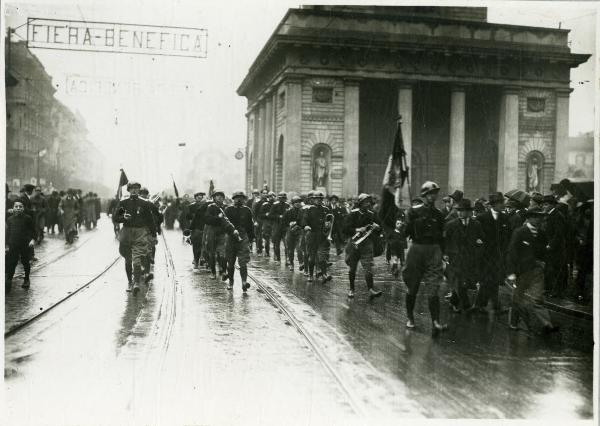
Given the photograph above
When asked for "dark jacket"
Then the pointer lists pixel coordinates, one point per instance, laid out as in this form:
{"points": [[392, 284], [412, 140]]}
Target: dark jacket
{"points": [[277, 210], [463, 244], [241, 219], [292, 214], [198, 213], [20, 230], [425, 225], [524, 250], [314, 216], [555, 229], [359, 219], [496, 235], [211, 218], [263, 211], [140, 211]]}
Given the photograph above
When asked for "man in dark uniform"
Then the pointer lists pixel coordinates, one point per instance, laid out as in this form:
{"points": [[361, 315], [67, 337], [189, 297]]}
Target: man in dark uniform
{"points": [[555, 228], [425, 227], [308, 202], [313, 221], [339, 216], [250, 203], [215, 235], [258, 222], [152, 235], [267, 222], [525, 271], [240, 230], [463, 244], [291, 222], [359, 222], [19, 239], [496, 235], [196, 214], [275, 215], [136, 216]]}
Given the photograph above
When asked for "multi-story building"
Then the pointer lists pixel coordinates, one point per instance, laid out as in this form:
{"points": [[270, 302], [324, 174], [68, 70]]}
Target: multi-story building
{"points": [[483, 105]]}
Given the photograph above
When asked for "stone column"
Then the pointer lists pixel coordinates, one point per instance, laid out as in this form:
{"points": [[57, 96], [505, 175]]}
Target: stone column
{"points": [[293, 141], [268, 140], [255, 146], [562, 134], [405, 109], [456, 157], [273, 140], [351, 140], [508, 140], [260, 155]]}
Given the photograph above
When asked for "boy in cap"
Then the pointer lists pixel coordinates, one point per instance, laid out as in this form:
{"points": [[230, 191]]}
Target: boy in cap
{"points": [[463, 242], [525, 273], [20, 238]]}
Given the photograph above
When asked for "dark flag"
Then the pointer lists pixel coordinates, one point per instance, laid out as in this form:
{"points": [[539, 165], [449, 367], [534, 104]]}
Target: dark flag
{"points": [[122, 182], [175, 187], [396, 175], [211, 188]]}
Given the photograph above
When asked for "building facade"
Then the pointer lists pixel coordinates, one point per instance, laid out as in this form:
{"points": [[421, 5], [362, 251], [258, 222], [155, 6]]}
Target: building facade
{"points": [[484, 106], [47, 143]]}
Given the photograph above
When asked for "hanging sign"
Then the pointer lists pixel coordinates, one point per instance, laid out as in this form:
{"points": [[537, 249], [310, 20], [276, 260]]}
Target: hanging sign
{"points": [[116, 38]]}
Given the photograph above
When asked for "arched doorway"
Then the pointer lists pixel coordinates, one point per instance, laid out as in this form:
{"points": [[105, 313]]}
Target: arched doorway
{"points": [[279, 166]]}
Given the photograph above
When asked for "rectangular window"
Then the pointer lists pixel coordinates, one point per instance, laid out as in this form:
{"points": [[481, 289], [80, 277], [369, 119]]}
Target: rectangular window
{"points": [[322, 95]]}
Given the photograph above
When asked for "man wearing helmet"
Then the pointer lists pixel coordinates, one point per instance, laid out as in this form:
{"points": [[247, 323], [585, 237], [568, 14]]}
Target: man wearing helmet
{"points": [[215, 235], [196, 213], [240, 230], [276, 215], [152, 235], [313, 221], [136, 216], [291, 221], [267, 221], [360, 221], [339, 215], [258, 222], [425, 227]]}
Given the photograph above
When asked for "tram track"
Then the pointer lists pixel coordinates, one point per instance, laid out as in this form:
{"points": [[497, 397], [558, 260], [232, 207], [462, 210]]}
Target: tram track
{"points": [[38, 266], [28, 321], [276, 299]]}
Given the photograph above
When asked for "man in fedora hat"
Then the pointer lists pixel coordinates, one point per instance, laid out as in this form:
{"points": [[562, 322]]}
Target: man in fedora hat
{"points": [[525, 264], [555, 228], [463, 244], [496, 235], [425, 227], [455, 198]]}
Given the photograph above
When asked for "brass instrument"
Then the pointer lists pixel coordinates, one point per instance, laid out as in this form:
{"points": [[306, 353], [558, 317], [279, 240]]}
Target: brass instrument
{"points": [[329, 221], [187, 236], [359, 237]]}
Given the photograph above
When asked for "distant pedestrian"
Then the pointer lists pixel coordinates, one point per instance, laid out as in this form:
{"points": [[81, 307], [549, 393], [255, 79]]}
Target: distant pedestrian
{"points": [[69, 210]]}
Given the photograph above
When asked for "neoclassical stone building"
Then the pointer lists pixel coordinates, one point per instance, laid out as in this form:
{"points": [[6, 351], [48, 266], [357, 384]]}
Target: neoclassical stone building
{"points": [[485, 106]]}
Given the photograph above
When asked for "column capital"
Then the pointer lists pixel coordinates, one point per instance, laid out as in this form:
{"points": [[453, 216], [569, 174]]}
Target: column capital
{"points": [[511, 90], [563, 92]]}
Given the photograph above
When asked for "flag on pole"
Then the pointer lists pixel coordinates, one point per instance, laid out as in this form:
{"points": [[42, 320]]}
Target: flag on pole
{"points": [[122, 181], [175, 187], [396, 175], [211, 188]]}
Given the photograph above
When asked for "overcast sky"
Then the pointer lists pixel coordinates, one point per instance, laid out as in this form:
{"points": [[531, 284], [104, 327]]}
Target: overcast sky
{"points": [[209, 116]]}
